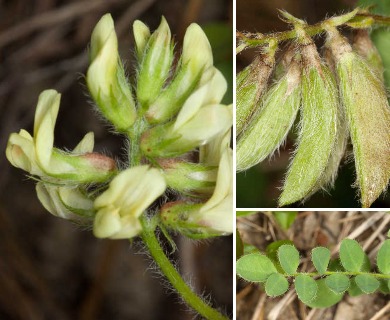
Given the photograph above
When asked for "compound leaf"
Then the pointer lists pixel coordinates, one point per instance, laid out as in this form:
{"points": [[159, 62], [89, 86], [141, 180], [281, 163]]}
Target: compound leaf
{"points": [[276, 285], [255, 267], [320, 257], [338, 283], [325, 297], [306, 288], [367, 283], [351, 255], [289, 258], [383, 257]]}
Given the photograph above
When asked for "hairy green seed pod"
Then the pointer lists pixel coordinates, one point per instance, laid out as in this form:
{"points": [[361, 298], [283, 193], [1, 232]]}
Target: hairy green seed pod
{"points": [[363, 45], [367, 110], [329, 177], [318, 128], [251, 83], [269, 127]]}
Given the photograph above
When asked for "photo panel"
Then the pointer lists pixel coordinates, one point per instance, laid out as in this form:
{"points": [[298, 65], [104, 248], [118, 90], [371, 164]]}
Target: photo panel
{"points": [[313, 265], [312, 114]]}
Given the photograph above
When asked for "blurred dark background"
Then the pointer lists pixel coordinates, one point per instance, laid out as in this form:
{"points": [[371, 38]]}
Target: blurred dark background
{"points": [[259, 187], [49, 268]]}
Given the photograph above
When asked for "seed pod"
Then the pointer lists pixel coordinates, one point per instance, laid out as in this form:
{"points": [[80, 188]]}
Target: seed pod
{"points": [[329, 177], [363, 45], [318, 128], [367, 110], [269, 127], [251, 83]]}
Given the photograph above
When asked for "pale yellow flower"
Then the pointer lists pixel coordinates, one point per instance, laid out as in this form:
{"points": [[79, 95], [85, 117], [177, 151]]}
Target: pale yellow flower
{"points": [[130, 193], [65, 202], [38, 156], [106, 78]]}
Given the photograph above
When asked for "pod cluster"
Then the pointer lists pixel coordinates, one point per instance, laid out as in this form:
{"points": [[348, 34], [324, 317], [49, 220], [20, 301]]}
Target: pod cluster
{"points": [[339, 97]]}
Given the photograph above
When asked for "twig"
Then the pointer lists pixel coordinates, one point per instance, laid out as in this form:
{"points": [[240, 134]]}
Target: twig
{"points": [[258, 314], [381, 312], [377, 231]]}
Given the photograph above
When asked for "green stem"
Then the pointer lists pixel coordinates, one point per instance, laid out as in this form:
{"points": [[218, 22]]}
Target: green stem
{"points": [[172, 274], [360, 20], [134, 136], [347, 273]]}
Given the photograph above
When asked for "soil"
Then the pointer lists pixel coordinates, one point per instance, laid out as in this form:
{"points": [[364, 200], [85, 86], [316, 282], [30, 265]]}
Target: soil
{"points": [[311, 229]]}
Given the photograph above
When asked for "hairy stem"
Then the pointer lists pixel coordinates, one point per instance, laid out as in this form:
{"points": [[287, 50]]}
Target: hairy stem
{"points": [[347, 273], [192, 299], [134, 136], [360, 20]]}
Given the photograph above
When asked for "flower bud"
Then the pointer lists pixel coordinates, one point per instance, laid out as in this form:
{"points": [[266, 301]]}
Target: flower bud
{"points": [[213, 218], [169, 140], [269, 127], [368, 114], [129, 194], [141, 36], [318, 127], [189, 178], [155, 65], [37, 155], [251, 83], [66, 202], [195, 60], [106, 78], [198, 122], [20, 153]]}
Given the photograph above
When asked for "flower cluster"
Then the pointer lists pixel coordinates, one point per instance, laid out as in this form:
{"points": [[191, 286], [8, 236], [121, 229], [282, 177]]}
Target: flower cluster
{"points": [[340, 95], [171, 114]]}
